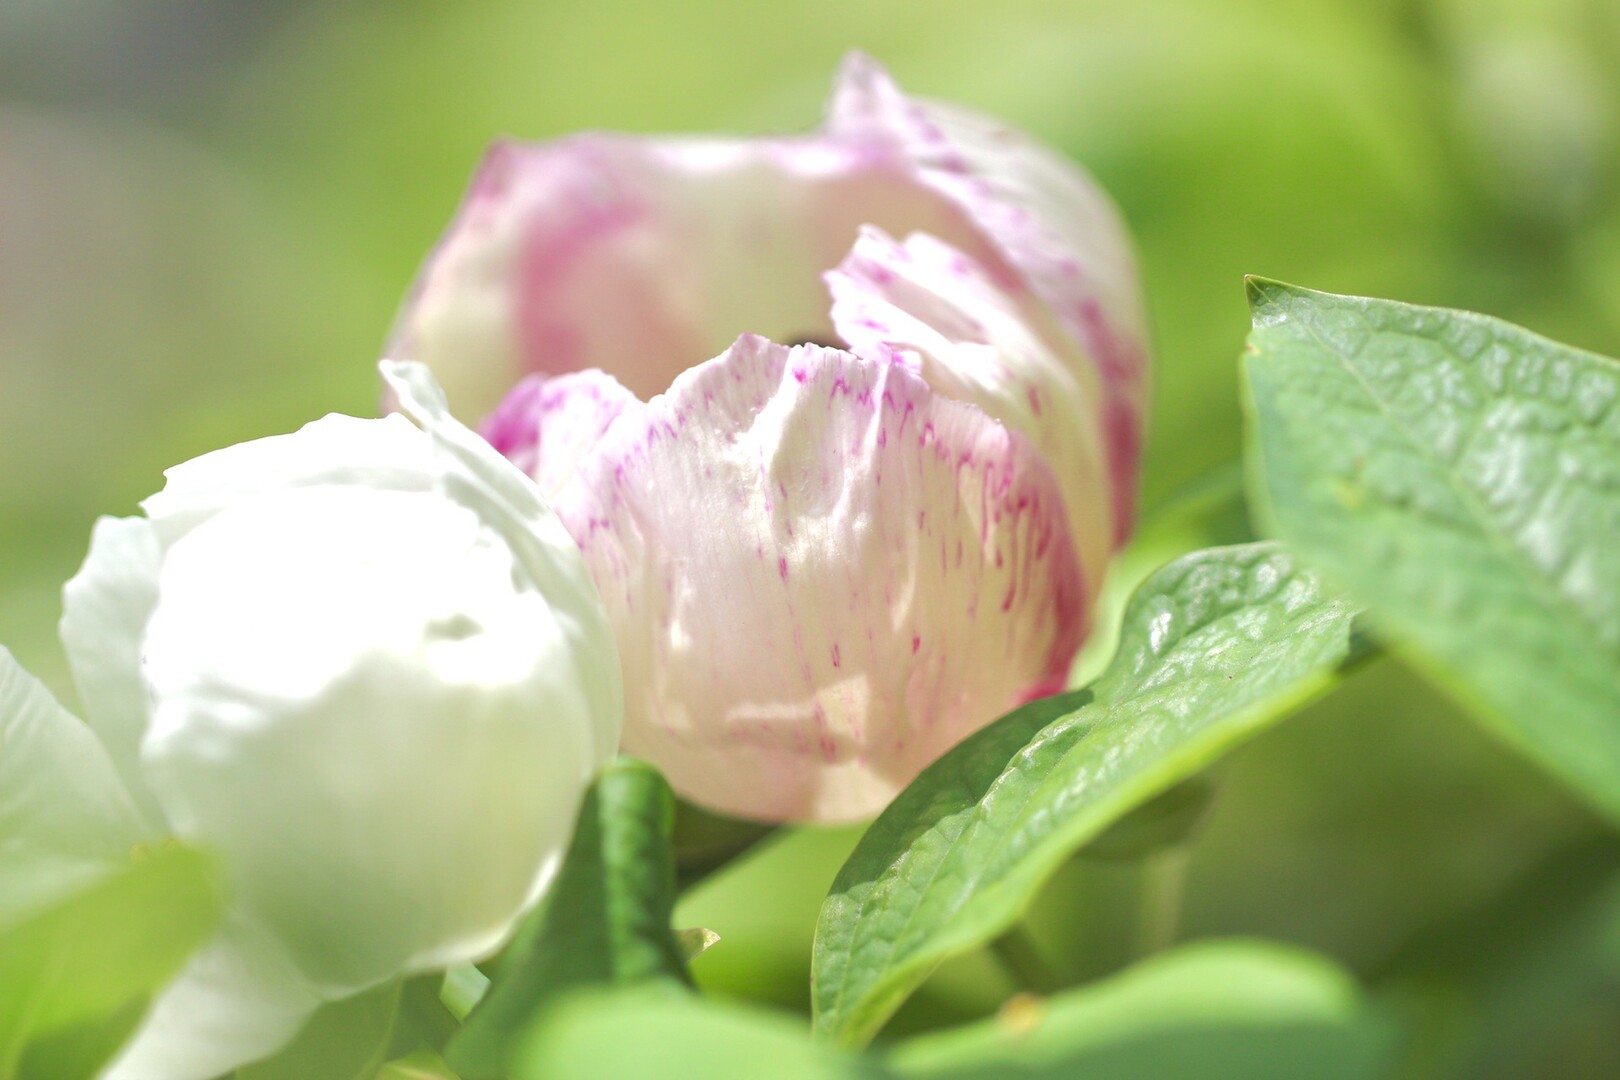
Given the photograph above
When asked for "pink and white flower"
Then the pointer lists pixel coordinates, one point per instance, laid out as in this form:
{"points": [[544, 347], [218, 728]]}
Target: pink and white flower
{"points": [[825, 565]]}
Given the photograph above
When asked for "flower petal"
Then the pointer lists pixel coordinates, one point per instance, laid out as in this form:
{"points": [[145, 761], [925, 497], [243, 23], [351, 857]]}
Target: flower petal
{"points": [[238, 1000], [1050, 221], [65, 816], [548, 425], [822, 575], [104, 611], [939, 311], [382, 678], [644, 256], [378, 728], [387, 453], [510, 503]]}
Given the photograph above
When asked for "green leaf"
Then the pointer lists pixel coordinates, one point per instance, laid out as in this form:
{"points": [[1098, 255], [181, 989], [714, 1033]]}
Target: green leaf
{"points": [[605, 922], [1237, 1010], [1215, 647], [344, 1040], [76, 978], [643, 1033], [1217, 1011], [1460, 476]]}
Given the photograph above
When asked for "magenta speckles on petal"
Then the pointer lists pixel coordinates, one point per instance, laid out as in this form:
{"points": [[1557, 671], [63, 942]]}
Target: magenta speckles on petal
{"points": [[786, 690], [946, 317], [547, 426], [642, 256], [825, 566], [1044, 219]]}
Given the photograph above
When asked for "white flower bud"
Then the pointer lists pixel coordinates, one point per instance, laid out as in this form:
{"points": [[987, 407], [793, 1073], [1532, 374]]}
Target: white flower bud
{"points": [[364, 664]]}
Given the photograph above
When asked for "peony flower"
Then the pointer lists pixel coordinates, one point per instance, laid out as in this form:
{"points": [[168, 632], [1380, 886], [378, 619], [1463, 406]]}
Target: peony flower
{"points": [[364, 664], [836, 545]]}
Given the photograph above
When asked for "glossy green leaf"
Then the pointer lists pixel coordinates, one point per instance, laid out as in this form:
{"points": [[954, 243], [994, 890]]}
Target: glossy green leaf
{"points": [[1214, 1010], [605, 921], [75, 979], [1215, 647], [1460, 476]]}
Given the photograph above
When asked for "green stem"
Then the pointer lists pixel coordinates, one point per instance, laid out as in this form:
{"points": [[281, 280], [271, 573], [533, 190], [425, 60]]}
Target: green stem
{"points": [[1158, 911], [1105, 914], [1021, 957]]}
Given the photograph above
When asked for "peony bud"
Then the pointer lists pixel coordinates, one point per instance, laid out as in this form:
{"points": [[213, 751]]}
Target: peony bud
{"points": [[824, 565], [364, 664]]}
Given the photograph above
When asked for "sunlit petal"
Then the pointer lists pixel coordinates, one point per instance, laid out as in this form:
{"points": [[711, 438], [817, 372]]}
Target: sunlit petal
{"points": [[822, 575], [937, 310], [1051, 223]]}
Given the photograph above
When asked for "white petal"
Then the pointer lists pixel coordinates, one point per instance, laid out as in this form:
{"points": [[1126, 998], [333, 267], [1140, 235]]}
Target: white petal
{"points": [[65, 817], [822, 575], [387, 453], [939, 311], [379, 728], [238, 1000], [1049, 221], [509, 502], [548, 425], [104, 611]]}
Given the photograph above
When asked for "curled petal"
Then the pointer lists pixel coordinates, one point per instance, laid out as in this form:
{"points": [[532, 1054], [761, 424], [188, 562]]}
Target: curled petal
{"points": [[822, 575], [65, 816], [1050, 222], [644, 256], [940, 312], [548, 425]]}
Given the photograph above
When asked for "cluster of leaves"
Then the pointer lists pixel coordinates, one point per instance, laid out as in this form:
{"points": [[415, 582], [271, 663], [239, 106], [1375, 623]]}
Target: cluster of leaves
{"points": [[1435, 484]]}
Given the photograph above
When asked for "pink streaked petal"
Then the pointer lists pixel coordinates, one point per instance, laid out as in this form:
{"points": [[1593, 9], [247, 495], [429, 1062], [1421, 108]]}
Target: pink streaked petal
{"points": [[548, 425], [822, 575], [939, 311], [1050, 221], [644, 256]]}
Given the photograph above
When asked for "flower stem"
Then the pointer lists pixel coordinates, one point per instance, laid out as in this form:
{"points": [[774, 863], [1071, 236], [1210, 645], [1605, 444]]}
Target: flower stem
{"points": [[1021, 958]]}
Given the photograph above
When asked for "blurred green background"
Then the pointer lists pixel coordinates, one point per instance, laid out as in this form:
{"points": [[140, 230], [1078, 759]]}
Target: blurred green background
{"points": [[209, 210]]}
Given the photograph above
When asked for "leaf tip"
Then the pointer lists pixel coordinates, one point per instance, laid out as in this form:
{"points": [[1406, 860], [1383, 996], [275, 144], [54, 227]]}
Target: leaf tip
{"points": [[1266, 297]]}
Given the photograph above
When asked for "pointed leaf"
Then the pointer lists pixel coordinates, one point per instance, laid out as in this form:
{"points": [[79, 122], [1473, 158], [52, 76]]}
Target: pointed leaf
{"points": [[1461, 477], [1215, 647]]}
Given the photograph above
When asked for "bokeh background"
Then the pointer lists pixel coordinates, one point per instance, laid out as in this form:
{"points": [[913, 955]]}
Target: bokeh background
{"points": [[209, 210]]}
